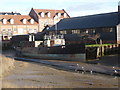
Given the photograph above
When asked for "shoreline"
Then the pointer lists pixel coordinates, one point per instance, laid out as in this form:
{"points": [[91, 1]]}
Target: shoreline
{"points": [[41, 76], [7, 64]]}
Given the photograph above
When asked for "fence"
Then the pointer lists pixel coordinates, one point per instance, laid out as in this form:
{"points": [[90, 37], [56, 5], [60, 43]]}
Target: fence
{"points": [[99, 51]]}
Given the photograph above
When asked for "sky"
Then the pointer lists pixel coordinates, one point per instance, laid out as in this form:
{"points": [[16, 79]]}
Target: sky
{"points": [[73, 7]]}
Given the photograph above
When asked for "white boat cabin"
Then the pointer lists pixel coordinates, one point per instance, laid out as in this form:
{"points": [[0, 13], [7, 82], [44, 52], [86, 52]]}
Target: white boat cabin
{"points": [[54, 40]]}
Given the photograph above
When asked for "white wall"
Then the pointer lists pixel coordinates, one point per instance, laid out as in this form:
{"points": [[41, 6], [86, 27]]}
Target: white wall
{"points": [[118, 33]]}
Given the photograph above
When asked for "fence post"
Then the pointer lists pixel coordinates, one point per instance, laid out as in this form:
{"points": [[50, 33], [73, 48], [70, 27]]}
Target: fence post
{"points": [[102, 50]]}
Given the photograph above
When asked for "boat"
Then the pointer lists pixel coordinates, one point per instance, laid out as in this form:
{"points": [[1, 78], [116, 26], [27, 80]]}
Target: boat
{"points": [[55, 47]]}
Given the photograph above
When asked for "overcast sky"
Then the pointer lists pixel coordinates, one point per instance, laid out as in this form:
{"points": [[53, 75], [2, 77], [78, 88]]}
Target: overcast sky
{"points": [[73, 7]]}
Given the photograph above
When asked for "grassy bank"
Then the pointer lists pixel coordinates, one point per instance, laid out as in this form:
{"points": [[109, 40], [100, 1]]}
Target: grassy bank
{"points": [[6, 64], [98, 45]]}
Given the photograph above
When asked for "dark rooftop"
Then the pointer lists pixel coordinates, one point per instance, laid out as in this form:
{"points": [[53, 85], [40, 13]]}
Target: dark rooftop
{"points": [[91, 21], [9, 13]]}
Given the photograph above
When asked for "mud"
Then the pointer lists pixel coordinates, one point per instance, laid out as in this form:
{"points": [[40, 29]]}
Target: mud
{"points": [[32, 75]]}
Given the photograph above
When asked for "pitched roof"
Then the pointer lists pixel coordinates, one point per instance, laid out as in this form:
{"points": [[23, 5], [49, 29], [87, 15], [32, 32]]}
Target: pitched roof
{"points": [[52, 11], [17, 19], [91, 21]]}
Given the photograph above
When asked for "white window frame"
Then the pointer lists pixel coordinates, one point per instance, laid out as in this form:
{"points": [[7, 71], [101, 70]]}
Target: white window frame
{"points": [[24, 30], [59, 14], [4, 21], [15, 29], [65, 15], [24, 21], [42, 14], [49, 14], [11, 21], [32, 21]]}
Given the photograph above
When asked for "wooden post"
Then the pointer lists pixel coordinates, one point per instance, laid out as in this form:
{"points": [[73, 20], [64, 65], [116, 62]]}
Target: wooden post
{"points": [[102, 50]]}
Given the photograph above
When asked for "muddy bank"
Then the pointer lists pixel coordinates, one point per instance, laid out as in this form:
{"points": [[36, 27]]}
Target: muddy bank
{"points": [[36, 75], [6, 65]]}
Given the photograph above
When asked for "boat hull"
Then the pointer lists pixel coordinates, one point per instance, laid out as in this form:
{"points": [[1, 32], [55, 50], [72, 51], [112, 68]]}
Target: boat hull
{"points": [[69, 57]]}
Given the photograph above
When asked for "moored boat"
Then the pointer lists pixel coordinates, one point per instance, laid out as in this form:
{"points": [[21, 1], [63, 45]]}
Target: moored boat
{"points": [[56, 47]]}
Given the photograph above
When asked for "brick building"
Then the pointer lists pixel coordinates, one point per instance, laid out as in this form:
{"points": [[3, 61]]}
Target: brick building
{"points": [[11, 25], [47, 16]]}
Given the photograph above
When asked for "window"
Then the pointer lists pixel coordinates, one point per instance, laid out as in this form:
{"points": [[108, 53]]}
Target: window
{"points": [[4, 21], [75, 31], [48, 14], [59, 14], [15, 29], [25, 30], [42, 14], [63, 32], [107, 29], [24, 21], [31, 30], [65, 15], [11, 21], [32, 21], [4, 32], [90, 31], [35, 30], [9, 32]]}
